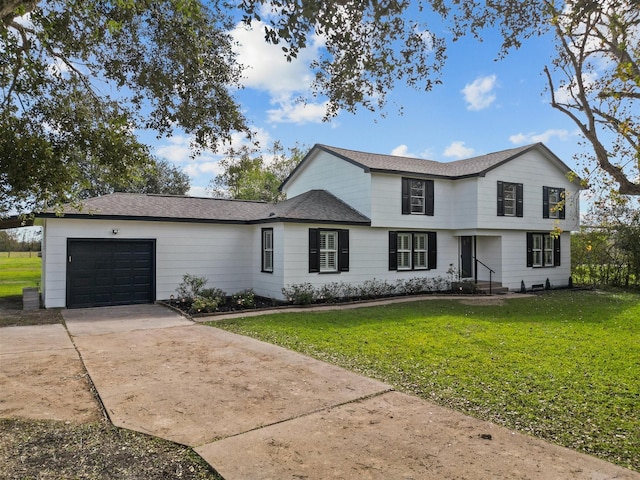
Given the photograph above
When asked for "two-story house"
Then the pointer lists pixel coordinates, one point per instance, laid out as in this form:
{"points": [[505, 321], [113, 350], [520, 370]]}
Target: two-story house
{"points": [[349, 217]]}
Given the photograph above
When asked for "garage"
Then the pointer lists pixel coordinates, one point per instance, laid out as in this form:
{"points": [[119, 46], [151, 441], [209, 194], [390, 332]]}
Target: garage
{"points": [[106, 272]]}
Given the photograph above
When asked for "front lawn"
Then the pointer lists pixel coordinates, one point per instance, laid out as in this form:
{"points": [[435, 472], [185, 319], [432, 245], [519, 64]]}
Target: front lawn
{"points": [[18, 271], [564, 366]]}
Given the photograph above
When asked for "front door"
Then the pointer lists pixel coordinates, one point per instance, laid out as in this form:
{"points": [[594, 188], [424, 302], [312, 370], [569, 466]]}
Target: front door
{"points": [[466, 256]]}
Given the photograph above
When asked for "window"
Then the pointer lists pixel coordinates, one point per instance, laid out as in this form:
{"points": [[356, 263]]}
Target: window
{"points": [[419, 250], [510, 202], [543, 250], [267, 250], [553, 202], [328, 250], [404, 251], [412, 250], [417, 196]]}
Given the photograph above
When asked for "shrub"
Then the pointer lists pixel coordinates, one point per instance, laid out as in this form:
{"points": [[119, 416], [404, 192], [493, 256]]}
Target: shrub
{"points": [[245, 299], [191, 286], [300, 294], [204, 305]]}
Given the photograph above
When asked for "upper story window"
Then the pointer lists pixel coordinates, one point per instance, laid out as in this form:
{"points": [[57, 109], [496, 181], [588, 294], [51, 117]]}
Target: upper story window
{"points": [[553, 202], [328, 250], [510, 199], [267, 250], [417, 196]]}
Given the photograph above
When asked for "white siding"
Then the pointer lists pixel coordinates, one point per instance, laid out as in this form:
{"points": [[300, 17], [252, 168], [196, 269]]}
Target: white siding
{"points": [[387, 205], [368, 257], [514, 257], [346, 181], [269, 284], [534, 171], [223, 254]]}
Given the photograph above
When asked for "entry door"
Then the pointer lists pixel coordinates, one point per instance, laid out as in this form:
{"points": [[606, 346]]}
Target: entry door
{"points": [[466, 256], [103, 272]]}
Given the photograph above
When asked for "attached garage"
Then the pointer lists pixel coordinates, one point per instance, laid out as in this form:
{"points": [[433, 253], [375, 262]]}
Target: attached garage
{"points": [[106, 272]]}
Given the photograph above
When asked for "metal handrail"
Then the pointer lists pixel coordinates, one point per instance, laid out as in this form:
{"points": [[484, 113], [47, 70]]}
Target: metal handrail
{"points": [[491, 271]]}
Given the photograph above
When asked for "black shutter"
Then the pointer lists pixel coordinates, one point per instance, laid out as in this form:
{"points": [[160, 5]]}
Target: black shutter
{"points": [[500, 199], [556, 251], [393, 251], [406, 200], [343, 250], [529, 249], [519, 199], [433, 251], [314, 250], [430, 195], [563, 202], [545, 202]]}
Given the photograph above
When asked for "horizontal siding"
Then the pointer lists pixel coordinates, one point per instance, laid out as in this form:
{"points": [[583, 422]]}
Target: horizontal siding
{"points": [[323, 171], [514, 254], [387, 205], [223, 254], [534, 172]]}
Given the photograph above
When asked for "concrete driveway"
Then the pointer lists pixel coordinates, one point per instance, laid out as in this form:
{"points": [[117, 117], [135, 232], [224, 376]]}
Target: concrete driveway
{"points": [[257, 411]]}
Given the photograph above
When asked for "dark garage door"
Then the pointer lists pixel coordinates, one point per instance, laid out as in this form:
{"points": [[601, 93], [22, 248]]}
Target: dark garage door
{"points": [[110, 272]]}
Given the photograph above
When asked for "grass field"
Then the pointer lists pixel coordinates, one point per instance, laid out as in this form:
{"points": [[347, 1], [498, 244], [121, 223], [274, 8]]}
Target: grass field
{"points": [[564, 366], [18, 271]]}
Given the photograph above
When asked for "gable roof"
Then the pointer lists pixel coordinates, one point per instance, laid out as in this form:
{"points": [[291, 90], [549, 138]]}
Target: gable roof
{"points": [[314, 206], [471, 167]]}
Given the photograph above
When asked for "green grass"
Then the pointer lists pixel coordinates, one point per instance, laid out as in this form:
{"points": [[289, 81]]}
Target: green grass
{"points": [[564, 366], [17, 272]]}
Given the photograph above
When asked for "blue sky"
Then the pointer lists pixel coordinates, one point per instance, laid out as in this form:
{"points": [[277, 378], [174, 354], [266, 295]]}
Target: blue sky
{"points": [[483, 105]]}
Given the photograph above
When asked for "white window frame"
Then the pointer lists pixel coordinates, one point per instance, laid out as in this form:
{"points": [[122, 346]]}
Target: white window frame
{"points": [[420, 252], [267, 250], [417, 201], [404, 250], [554, 200], [537, 249], [548, 251], [510, 199], [328, 253]]}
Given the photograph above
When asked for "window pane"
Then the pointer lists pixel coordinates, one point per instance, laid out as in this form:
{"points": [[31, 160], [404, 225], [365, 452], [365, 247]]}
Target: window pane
{"points": [[404, 241], [537, 242], [420, 260], [328, 251], [417, 196], [404, 260], [537, 259], [509, 198]]}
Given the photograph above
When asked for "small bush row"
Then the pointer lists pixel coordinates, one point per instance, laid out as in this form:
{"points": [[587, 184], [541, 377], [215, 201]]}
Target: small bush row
{"points": [[305, 293], [193, 297]]}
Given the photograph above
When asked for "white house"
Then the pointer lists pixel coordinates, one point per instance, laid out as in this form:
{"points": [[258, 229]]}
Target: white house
{"points": [[349, 217]]}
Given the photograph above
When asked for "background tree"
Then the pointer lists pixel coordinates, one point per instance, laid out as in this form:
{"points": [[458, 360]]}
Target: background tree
{"points": [[157, 176], [251, 175], [168, 63], [606, 251], [594, 79], [171, 65]]}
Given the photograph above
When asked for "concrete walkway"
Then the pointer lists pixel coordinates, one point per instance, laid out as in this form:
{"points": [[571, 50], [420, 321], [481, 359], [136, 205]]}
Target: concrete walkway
{"points": [[257, 411]]}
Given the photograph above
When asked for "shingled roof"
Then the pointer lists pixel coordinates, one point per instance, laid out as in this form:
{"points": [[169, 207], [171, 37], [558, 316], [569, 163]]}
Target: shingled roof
{"points": [[476, 166], [312, 206]]}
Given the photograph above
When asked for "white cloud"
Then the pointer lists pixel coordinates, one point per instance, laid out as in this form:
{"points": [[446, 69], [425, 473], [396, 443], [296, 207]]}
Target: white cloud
{"points": [[458, 150], [268, 70], [298, 113], [198, 192], [403, 151], [479, 94], [544, 137]]}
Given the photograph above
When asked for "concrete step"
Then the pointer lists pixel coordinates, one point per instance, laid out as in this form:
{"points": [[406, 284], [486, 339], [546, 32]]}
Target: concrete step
{"points": [[495, 288]]}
